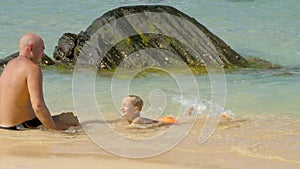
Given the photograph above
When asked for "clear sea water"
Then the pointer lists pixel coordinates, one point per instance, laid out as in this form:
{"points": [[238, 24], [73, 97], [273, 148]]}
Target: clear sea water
{"points": [[268, 29]]}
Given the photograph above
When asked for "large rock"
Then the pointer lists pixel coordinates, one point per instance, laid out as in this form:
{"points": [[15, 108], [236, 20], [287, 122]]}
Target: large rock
{"points": [[46, 60], [65, 50], [70, 45]]}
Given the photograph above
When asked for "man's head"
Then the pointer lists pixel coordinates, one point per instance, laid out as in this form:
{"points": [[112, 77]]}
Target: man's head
{"points": [[131, 106], [32, 47]]}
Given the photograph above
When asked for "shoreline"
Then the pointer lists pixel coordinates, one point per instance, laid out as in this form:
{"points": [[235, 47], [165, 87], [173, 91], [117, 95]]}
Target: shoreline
{"points": [[246, 144]]}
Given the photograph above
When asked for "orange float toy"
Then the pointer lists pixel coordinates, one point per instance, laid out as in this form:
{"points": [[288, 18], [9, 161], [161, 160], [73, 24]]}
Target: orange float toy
{"points": [[167, 120]]}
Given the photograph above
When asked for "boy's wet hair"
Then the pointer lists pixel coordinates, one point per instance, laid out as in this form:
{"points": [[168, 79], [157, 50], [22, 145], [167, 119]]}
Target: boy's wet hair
{"points": [[136, 101]]}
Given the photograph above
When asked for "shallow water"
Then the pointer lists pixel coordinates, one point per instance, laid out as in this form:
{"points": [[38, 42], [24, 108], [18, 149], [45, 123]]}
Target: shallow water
{"points": [[248, 91], [265, 29]]}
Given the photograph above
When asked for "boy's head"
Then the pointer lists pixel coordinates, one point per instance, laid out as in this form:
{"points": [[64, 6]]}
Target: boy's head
{"points": [[131, 106], [137, 102]]}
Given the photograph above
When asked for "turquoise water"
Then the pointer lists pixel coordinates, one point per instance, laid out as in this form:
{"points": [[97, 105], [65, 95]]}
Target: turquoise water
{"points": [[260, 28]]}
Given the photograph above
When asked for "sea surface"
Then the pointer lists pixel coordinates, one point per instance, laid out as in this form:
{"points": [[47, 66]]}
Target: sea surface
{"points": [[267, 29], [261, 28]]}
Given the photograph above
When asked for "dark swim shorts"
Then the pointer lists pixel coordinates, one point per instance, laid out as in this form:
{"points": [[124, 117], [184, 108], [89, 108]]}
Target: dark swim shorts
{"points": [[34, 123], [9, 128]]}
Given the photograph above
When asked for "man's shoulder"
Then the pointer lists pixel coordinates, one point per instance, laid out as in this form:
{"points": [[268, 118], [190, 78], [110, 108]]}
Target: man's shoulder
{"points": [[24, 64], [22, 68]]}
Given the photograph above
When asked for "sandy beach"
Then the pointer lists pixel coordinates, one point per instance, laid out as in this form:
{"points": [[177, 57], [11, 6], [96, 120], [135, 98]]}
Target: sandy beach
{"points": [[267, 142]]}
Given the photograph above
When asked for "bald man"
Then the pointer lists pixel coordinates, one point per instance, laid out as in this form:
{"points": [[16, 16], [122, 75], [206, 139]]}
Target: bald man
{"points": [[21, 89]]}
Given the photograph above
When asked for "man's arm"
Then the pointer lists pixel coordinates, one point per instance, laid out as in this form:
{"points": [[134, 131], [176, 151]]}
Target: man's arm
{"points": [[35, 89]]}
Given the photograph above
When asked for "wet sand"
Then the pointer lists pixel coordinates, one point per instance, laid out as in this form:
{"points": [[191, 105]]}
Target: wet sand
{"points": [[267, 142]]}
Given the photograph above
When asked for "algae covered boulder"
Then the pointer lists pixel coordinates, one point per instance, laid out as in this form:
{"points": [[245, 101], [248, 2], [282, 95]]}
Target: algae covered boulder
{"points": [[126, 37]]}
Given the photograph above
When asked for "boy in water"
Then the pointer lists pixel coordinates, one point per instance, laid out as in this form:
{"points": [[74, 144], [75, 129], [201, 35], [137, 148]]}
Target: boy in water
{"points": [[132, 106]]}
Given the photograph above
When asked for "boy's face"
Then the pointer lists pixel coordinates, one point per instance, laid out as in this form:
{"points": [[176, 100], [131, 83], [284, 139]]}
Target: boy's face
{"points": [[128, 111]]}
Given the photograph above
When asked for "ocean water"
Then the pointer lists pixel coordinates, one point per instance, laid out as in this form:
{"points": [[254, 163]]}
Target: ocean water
{"points": [[260, 28]]}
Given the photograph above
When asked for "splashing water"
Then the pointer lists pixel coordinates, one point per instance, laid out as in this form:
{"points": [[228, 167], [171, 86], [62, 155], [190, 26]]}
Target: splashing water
{"points": [[201, 106]]}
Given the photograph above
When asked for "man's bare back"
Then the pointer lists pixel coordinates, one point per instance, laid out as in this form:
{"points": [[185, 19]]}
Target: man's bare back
{"points": [[15, 104], [21, 88]]}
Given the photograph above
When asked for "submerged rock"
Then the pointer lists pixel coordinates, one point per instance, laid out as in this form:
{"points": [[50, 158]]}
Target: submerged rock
{"points": [[46, 60], [70, 45], [65, 50], [122, 42]]}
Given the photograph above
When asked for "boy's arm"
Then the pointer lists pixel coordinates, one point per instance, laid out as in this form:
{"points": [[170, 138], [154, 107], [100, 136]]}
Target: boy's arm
{"points": [[142, 120]]}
